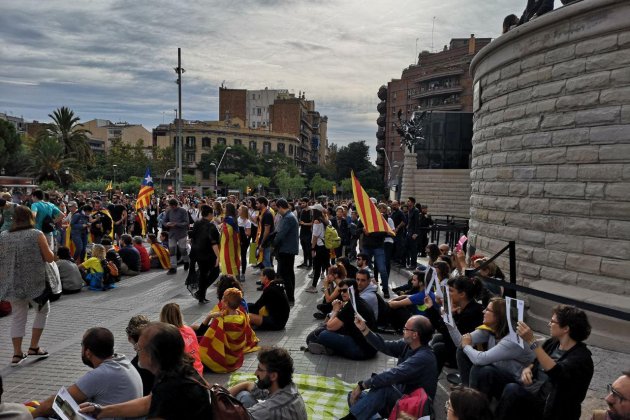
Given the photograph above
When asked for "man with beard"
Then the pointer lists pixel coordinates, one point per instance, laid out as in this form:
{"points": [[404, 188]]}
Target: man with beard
{"points": [[274, 395], [618, 400], [112, 379], [416, 368], [101, 222], [118, 213]]}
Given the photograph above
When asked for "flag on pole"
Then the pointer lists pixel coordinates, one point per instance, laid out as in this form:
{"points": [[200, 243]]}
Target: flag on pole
{"points": [[372, 219], [146, 191], [230, 249], [109, 187]]}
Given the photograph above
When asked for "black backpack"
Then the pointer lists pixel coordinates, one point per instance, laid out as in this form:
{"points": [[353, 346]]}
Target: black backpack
{"points": [[48, 224]]}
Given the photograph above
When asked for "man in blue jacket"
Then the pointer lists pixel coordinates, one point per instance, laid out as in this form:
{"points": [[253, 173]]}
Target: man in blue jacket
{"points": [[416, 368], [287, 243]]}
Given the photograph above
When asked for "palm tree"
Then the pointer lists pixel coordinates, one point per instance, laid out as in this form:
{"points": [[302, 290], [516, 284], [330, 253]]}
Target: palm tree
{"points": [[71, 135], [47, 159]]}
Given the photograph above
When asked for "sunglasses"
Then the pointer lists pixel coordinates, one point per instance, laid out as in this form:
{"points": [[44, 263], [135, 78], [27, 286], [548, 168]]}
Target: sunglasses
{"points": [[343, 290]]}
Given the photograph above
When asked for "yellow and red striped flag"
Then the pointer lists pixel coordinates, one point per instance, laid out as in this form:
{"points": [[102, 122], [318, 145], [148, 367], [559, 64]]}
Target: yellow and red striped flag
{"points": [[146, 191], [143, 222], [372, 219], [230, 249], [69, 243], [163, 255]]}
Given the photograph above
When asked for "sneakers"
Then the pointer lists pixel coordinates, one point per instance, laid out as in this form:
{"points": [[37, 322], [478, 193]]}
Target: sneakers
{"points": [[386, 294], [172, 271], [319, 315], [186, 265], [316, 348], [310, 276], [311, 289]]}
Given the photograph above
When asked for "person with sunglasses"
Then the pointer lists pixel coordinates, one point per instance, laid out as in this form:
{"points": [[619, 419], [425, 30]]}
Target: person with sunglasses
{"points": [[554, 386], [339, 335], [618, 400]]}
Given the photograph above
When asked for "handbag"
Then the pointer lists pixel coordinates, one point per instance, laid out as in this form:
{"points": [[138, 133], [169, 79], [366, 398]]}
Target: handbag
{"points": [[52, 285], [225, 406]]}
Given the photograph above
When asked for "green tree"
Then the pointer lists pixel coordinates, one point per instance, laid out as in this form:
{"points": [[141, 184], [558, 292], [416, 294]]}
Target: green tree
{"points": [[320, 185], [48, 159], [289, 186], [67, 130], [10, 145], [353, 157], [346, 186]]}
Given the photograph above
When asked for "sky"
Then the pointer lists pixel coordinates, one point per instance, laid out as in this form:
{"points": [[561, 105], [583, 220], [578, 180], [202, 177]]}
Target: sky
{"points": [[114, 59]]}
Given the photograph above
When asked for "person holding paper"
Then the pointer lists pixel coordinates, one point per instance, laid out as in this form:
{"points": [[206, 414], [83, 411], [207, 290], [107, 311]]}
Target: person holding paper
{"points": [[339, 335], [404, 306], [112, 379], [491, 370], [554, 386]]}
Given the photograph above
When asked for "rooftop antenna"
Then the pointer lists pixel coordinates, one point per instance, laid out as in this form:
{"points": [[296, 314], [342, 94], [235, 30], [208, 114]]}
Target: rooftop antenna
{"points": [[432, 30], [416, 59]]}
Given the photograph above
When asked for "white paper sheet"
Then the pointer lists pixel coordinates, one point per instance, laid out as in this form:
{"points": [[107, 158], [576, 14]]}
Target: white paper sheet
{"points": [[514, 309], [67, 408]]}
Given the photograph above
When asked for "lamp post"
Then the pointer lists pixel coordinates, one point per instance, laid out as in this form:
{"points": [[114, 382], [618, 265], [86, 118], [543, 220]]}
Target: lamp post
{"points": [[216, 173], [165, 175], [114, 168]]}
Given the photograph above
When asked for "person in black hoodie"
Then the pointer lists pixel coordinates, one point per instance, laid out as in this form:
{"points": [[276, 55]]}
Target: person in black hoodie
{"points": [[467, 314], [555, 385], [271, 310]]}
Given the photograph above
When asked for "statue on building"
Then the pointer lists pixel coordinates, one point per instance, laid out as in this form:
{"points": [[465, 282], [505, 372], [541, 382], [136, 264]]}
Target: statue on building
{"points": [[410, 130]]}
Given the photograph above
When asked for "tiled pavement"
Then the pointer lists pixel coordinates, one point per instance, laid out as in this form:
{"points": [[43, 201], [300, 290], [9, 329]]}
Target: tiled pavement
{"points": [[147, 293]]}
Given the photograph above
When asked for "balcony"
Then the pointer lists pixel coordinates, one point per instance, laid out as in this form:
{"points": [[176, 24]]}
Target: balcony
{"points": [[442, 107], [437, 91], [438, 75]]}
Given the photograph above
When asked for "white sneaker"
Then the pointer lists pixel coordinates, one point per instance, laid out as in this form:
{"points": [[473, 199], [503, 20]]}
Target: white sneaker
{"points": [[311, 289]]}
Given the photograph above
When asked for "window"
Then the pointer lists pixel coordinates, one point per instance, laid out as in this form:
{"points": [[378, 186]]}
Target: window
{"points": [[259, 111], [281, 148], [290, 150], [205, 174], [190, 157], [190, 141], [252, 145], [205, 142], [221, 140], [237, 142], [266, 147]]}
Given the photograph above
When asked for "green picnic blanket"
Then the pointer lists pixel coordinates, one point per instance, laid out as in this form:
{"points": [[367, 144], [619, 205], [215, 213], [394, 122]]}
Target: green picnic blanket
{"points": [[325, 398]]}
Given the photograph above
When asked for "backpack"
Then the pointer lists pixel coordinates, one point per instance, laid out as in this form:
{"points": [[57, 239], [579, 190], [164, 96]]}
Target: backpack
{"points": [[417, 404], [225, 406], [331, 238], [5, 308]]}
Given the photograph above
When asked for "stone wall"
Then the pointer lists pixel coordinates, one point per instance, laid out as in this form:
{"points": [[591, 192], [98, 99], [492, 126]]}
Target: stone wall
{"points": [[551, 147], [445, 191]]}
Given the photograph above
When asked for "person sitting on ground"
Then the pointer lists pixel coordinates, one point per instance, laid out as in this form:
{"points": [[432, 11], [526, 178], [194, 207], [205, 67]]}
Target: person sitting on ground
{"points": [[145, 261], [158, 253], [467, 404], [415, 368], [225, 282], [273, 395], [368, 291], [71, 279], [171, 314], [94, 269], [178, 393], [502, 363], [351, 270], [164, 239], [339, 335], [618, 400], [334, 275], [554, 386], [444, 249], [467, 315], [13, 411], [229, 335], [402, 307], [112, 379], [363, 263], [112, 255], [133, 330], [271, 310], [130, 257]]}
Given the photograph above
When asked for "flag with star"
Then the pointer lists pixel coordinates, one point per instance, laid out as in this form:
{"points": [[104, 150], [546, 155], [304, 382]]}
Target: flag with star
{"points": [[146, 191]]}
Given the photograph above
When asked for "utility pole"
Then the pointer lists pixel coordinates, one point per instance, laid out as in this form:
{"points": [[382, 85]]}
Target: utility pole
{"points": [[179, 144]]}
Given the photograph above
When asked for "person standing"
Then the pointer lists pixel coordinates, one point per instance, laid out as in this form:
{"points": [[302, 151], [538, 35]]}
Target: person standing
{"points": [[320, 254], [230, 249], [424, 223], [413, 229], [79, 224], [245, 233], [24, 252], [7, 209], [265, 227], [153, 211], [204, 251], [42, 209], [306, 231], [286, 242], [119, 215], [398, 217], [177, 222]]}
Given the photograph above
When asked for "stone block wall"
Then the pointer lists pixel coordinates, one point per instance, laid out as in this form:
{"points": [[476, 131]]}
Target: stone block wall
{"points": [[551, 147], [445, 191]]}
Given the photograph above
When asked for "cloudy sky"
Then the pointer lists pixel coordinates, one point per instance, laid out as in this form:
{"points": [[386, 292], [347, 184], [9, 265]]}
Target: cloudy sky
{"points": [[114, 59]]}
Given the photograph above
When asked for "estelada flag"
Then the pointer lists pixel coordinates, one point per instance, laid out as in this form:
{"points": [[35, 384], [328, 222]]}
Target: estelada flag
{"points": [[163, 255], [146, 191], [372, 219], [230, 249]]}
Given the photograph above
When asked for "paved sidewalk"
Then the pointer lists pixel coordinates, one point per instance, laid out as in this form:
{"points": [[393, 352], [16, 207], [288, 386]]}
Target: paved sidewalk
{"points": [[147, 293]]}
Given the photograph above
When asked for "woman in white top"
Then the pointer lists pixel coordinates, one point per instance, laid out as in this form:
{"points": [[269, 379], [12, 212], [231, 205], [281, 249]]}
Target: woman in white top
{"points": [[321, 255], [245, 232]]}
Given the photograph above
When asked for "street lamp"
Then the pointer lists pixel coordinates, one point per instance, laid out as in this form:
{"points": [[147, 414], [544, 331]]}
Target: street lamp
{"points": [[216, 173], [165, 175], [114, 167]]}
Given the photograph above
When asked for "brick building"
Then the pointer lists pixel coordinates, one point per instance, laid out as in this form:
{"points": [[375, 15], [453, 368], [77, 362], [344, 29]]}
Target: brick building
{"points": [[438, 82]]}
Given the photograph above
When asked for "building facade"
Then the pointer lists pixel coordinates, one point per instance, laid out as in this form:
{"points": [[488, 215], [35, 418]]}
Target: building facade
{"points": [[279, 112], [104, 133], [18, 122], [438, 82], [201, 136]]}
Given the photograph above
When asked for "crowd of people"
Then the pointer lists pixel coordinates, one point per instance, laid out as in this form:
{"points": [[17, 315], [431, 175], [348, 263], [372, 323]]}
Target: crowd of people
{"points": [[54, 243]]}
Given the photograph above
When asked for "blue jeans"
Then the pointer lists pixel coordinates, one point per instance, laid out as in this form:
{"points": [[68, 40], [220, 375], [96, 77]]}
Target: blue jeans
{"points": [[80, 243], [375, 403], [380, 263], [247, 399], [267, 257], [342, 345]]}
